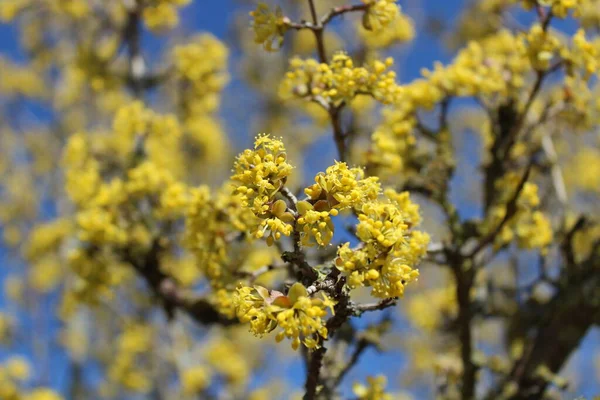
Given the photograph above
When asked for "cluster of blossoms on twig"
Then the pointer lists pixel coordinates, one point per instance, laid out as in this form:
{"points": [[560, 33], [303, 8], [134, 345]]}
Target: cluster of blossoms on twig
{"points": [[300, 317], [390, 247], [340, 81]]}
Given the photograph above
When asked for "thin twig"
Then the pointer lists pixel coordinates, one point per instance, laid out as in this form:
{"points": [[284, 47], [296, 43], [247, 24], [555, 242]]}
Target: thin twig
{"points": [[380, 305]]}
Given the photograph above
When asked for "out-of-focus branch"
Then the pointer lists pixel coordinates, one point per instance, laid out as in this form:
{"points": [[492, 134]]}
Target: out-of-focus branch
{"points": [[380, 305], [314, 373], [132, 37], [171, 296], [511, 209], [558, 180]]}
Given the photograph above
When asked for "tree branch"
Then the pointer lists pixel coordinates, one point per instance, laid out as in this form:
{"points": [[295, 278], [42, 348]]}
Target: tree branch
{"points": [[511, 209]]}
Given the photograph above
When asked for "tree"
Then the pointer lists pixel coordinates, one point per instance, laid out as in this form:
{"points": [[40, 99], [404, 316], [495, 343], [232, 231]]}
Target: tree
{"points": [[162, 266]]}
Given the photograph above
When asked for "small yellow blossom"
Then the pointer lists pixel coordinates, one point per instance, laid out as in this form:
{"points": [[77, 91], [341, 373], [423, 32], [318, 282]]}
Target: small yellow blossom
{"points": [[269, 27], [18, 368], [43, 394], [202, 63], [380, 14], [401, 30], [260, 173], [195, 379], [162, 14], [542, 46], [340, 81], [299, 316], [341, 188], [374, 390], [390, 247]]}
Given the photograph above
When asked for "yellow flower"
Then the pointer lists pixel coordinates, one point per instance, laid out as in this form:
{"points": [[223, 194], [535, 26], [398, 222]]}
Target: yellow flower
{"points": [[542, 46], [390, 247], [529, 226], [341, 187], [209, 221], [340, 81], [269, 28], [162, 14], [374, 390], [9, 9], [316, 224], [195, 379], [399, 31], [43, 394], [380, 14], [299, 316], [18, 368], [260, 173]]}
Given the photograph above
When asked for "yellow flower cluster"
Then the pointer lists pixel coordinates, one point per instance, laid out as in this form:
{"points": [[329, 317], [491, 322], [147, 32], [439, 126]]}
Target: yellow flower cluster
{"points": [[542, 46], [126, 369], [583, 171], [237, 369], [162, 14], [393, 141], [389, 248], [269, 27], [338, 188], [341, 187], [373, 390], [75, 9], [202, 64], [258, 175], [96, 273], [493, 68], [14, 373], [429, 309], [42, 250], [125, 188], [340, 81], [212, 225], [583, 55], [380, 14], [299, 316], [529, 226], [195, 379], [559, 8], [401, 30], [19, 80]]}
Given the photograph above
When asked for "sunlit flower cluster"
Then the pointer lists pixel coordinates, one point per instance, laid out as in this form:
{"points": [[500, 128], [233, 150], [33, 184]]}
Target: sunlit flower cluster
{"points": [[399, 31], [162, 14], [528, 226], [340, 81], [299, 316], [389, 247], [380, 14], [202, 66], [260, 173], [341, 187], [19, 80], [542, 46], [269, 26], [373, 390], [126, 369], [430, 309], [213, 225], [583, 55]]}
